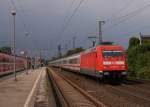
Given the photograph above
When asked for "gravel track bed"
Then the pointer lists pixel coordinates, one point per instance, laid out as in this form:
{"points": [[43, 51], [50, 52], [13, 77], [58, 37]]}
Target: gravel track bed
{"points": [[141, 90], [107, 95], [144, 85]]}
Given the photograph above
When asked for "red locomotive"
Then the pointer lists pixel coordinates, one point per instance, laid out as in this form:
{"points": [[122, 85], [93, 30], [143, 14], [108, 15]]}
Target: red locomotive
{"points": [[6, 63], [103, 61]]}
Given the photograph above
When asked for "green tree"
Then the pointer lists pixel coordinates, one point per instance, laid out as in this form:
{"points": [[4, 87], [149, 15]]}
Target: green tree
{"points": [[5, 49], [69, 52], [138, 58], [74, 51], [133, 42]]}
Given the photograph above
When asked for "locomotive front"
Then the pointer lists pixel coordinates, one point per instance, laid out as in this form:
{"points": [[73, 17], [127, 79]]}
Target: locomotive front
{"points": [[112, 62]]}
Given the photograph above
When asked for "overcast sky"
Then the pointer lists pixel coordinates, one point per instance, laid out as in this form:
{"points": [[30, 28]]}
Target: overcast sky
{"points": [[52, 22]]}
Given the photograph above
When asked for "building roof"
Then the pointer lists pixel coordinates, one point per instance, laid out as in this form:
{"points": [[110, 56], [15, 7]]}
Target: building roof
{"points": [[145, 37]]}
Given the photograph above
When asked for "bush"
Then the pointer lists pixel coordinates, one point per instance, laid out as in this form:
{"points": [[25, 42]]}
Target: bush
{"points": [[144, 73], [134, 42], [138, 59]]}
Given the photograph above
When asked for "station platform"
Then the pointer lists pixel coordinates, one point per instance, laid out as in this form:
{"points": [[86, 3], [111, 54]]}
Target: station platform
{"points": [[20, 93]]}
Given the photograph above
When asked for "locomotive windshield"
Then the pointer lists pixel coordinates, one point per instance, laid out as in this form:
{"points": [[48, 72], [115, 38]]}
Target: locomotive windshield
{"points": [[112, 53]]}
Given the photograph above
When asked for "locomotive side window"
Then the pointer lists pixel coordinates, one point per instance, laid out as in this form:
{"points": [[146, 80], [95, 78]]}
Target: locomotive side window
{"points": [[112, 53]]}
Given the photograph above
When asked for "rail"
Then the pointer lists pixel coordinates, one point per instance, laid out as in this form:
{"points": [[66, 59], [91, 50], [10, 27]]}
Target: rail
{"points": [[88, 99]]}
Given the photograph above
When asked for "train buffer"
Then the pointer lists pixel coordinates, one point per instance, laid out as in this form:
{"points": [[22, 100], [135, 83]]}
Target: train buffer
{"points": [[21, 93]]}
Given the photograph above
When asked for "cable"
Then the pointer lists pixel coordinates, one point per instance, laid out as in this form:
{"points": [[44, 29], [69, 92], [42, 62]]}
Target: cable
{"points": [[35, 43], [128, 16], [127, 5], [70, 18], [13, 4], [19, 14], [23, 13], [70, 7], [114, 17]]}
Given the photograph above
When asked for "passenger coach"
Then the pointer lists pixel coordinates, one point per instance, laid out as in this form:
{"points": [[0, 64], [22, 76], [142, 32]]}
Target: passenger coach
{"points": [[7, 64]]}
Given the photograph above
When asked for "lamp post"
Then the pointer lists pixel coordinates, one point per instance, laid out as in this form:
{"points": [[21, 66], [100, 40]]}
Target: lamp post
{"points": [[14, 44], [26, 34]]}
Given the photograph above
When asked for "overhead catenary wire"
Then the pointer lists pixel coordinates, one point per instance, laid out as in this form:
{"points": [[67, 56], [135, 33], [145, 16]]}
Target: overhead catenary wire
{"points": [[13, 4], [115, 17], [21, 15], [69, 8], [25, 23], [126, 6], [125, 17], [14, 7], [128, 16], [70, 18]]}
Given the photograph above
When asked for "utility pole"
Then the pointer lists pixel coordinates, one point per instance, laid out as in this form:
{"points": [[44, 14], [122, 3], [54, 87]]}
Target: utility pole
{"points": [[59, 50], [100, 31], [14, 43], [66, 47], [40, 58], [26, 55], [35, 61], [74, 38], [27, 64], [140, 38], [93, 41]]}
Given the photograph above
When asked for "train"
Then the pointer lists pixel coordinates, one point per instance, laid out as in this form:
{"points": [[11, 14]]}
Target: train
{"points": [[7, 65], [103, 61]]}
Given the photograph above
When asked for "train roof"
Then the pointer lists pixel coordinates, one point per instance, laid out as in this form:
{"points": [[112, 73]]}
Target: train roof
{"points": [[101, 46], [87, 51], [67, 57], [11, 55]]}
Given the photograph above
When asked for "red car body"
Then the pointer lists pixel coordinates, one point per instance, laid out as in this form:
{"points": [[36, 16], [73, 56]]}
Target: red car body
{"points": [[103, 59], [6, 63]]}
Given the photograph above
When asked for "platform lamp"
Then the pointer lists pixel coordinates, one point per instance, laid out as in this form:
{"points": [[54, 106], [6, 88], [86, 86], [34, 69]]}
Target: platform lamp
{"points": [[13, 13]]}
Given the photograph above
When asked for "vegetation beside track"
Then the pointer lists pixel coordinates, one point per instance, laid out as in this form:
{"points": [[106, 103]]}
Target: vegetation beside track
{"points": [[5, 49], [138, 58]]}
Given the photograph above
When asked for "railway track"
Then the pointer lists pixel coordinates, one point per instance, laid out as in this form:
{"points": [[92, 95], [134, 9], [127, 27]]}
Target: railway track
{"points": [[129, 95], [71, 95], [141, 83], [133, 95]]}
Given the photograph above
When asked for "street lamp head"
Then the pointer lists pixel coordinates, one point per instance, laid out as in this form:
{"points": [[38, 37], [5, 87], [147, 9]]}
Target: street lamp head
{"points": [[13, 13]]}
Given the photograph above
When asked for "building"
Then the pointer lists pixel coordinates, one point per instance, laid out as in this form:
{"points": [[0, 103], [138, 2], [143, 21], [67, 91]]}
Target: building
{"points": [[143, 38]]}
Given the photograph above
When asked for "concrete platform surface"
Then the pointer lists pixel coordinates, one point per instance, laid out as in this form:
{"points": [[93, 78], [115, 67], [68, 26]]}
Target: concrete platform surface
{"points": [[45, 95], [20, 93]]}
